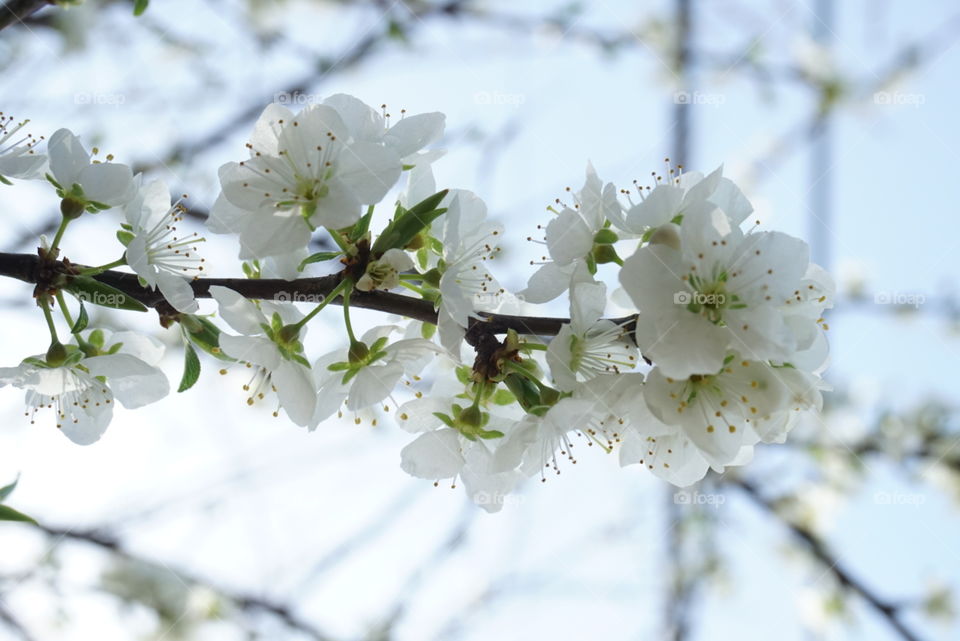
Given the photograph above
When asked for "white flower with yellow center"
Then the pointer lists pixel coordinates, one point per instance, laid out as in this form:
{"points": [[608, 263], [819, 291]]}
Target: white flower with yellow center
{"points": [[82, 390], [305, 171], [589, 345], [711, 289], [273, 353], [154, 251]]}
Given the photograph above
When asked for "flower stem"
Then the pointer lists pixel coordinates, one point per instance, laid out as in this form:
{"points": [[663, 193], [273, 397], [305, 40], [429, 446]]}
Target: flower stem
{"points": [[93, 271], [412, 288], [64, 309], [326, 301], [45, 306], [346, 310], [59, 235]]}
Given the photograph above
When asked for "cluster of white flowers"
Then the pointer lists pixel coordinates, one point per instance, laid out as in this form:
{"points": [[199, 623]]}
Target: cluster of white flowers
{"points": [[723, 348]]}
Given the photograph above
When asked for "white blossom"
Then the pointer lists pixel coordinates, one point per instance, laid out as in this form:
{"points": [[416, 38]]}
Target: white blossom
{"points": [[18, 156], [275, 359], [84, 178], [305, 171], [81, 392], [718, 290], [159, 257]]}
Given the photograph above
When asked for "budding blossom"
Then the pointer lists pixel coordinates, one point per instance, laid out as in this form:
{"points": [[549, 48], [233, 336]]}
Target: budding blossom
{"points": [[723, 350]]}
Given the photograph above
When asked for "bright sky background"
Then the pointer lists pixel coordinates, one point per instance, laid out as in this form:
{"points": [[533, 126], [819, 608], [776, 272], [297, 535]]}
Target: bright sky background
{"points": [[254, 502]]}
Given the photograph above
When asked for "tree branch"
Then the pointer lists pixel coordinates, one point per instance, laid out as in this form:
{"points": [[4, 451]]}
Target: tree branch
{"points": [[888, 611], [244, 602], [14, 11], [27, 267]]}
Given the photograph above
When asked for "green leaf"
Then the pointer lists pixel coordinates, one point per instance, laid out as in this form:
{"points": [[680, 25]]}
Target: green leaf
{"points": [[139, 6], [6, 490], [204, 334], [408, 224], [92, 291], [82, 320], [319, 257], [361, 227], [191, 368], [7, 513]]}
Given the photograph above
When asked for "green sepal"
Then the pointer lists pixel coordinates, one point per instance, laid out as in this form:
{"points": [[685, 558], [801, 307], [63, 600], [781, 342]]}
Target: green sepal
{"points": [[139, 6], [124, 237], [427, 330], [96, 338]]}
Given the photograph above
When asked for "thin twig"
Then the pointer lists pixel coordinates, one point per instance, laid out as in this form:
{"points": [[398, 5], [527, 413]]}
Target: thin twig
{"points": [[890, 612]]}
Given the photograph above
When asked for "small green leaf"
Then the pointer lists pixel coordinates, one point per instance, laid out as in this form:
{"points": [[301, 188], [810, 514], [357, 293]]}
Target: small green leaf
{"points": [[7, 513], [361, 227], [191, 368], [408, 223], [319, 257], [82, 320], [93, 291], [139, 6], [6, 490]]}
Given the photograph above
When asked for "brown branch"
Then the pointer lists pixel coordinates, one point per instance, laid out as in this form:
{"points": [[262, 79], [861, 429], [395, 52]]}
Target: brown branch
{"points": [[888, 611], [26, 267], [16, 11], [243, 601]]}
